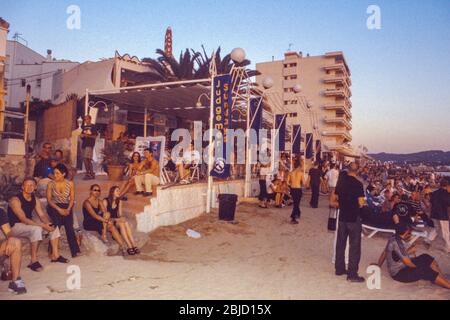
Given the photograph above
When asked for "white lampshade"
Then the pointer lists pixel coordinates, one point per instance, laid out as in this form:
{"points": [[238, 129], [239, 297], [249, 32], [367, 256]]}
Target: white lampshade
{"points": [[238, 55], [267, 82], [297, 88]]}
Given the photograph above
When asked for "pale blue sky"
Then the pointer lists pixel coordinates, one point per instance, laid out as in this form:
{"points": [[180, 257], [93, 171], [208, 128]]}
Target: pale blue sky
{"points": [[400, 74]]}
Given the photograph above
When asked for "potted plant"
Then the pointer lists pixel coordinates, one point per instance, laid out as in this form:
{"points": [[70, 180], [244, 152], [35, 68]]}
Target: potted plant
{"points": [[114, 159]]}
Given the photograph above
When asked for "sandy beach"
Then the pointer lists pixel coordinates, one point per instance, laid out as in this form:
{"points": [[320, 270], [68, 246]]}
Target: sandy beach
{"points": [[262, 256]]}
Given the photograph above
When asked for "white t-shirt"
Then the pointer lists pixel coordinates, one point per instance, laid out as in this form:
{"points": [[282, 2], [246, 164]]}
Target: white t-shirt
{"points": [[332, 177], [190, 157]]}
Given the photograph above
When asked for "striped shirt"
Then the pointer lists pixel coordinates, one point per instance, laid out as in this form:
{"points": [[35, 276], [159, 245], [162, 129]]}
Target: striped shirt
{"points": [[60, 197]]}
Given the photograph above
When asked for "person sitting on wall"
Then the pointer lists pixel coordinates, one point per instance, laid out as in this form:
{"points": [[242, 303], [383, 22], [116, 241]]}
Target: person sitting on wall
{"points": [[113, 205], [133, 168], [12, 247], [20, 215], [58, 158], [43, 169], [148, 175], [273, 183], [190, 158], [97, 218]]}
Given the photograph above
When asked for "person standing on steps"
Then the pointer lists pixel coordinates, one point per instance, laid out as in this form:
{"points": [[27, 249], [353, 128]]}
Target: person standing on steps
{"points": [[88, 135]]}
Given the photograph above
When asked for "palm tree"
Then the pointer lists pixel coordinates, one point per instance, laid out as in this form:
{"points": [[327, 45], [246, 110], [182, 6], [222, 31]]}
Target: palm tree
{"points": [[223, 66], [168, 69]]}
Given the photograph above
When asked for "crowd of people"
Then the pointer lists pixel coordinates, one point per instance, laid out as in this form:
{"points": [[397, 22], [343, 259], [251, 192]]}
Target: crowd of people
{"points": [[44, 207], [378, 194]]}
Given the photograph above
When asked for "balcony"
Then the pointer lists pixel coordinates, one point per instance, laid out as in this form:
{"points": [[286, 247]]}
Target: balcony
{"points": [[338, 133], [336, 67], [339, 121], [289, 71], [338, 107], [335, 93], [335, 79]]}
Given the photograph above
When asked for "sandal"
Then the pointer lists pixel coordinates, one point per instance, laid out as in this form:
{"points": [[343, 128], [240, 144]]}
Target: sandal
{"points": [[136, 250], [36, 266], [60, 259], [131, 251]]}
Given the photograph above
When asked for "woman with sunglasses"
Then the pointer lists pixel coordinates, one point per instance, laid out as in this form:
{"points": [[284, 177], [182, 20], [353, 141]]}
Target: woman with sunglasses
{"points": [[97, 218], [133, 168], [114, 206]]}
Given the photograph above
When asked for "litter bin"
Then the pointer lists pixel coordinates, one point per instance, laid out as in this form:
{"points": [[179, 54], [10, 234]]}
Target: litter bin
{"points": [[227, 206]]}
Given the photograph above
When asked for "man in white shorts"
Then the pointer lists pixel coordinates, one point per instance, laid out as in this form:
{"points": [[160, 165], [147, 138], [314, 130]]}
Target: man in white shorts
{"points": [[20, 215]]}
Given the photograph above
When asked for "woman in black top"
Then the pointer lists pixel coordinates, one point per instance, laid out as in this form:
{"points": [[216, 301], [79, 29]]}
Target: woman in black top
{"points": [[114, 206], [97, 218]]}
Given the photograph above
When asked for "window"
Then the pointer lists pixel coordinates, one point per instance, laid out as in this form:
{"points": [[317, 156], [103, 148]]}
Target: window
{"points": [[38, 83], [290, 102], [290, 65], [292, 115], [23, 82]]}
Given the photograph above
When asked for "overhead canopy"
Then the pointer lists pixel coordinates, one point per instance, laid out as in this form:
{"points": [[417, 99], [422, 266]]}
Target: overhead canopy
{"points": [[170, 98], [178, 99]]}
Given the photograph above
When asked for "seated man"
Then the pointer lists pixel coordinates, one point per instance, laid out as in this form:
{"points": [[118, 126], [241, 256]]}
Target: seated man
{"points": [[406, 213], [276, 190], [59, 158], [43, 169], [12, 248], [20, 215], [147, 175], [372, 200], [190, 158], [403, 264]]}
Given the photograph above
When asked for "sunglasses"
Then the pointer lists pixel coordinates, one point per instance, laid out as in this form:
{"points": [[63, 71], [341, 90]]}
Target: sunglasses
{"points": [[96, 190]]}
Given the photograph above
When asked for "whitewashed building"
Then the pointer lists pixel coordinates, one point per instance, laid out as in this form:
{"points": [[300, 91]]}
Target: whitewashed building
{"points": [[25, 66]]}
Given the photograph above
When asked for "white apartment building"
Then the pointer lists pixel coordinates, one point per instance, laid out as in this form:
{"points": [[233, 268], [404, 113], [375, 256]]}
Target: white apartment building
{"points": [[322, 106], [25, 66]]}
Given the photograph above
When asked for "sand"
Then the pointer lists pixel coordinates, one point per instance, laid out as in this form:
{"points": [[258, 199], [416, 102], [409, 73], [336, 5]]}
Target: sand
{"points": [[260, 257]]}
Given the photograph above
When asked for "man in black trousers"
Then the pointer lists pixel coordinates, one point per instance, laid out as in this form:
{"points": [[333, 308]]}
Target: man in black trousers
{"points": [[350, 194], [315, 177]]}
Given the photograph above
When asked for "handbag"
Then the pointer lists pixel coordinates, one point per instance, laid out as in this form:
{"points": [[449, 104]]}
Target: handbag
{"points": [[332, 219]]}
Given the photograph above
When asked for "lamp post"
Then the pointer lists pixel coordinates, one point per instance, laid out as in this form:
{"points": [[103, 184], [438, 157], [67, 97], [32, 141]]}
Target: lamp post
{"points": [[27, 114]]}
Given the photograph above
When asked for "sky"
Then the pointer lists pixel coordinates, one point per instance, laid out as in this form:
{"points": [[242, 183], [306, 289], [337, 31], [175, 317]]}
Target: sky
{"points": [[400, 72]]}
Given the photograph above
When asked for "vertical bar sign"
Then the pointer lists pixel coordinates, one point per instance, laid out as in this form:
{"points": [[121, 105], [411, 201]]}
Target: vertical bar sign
{"points": [[297, 139], [222, 102], [256, 115], [280, 126], [318, 150], [309, 146]]}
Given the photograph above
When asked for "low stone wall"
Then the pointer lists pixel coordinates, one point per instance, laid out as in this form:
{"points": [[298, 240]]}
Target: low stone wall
{"points": [[13, 166], [181, 203]]}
